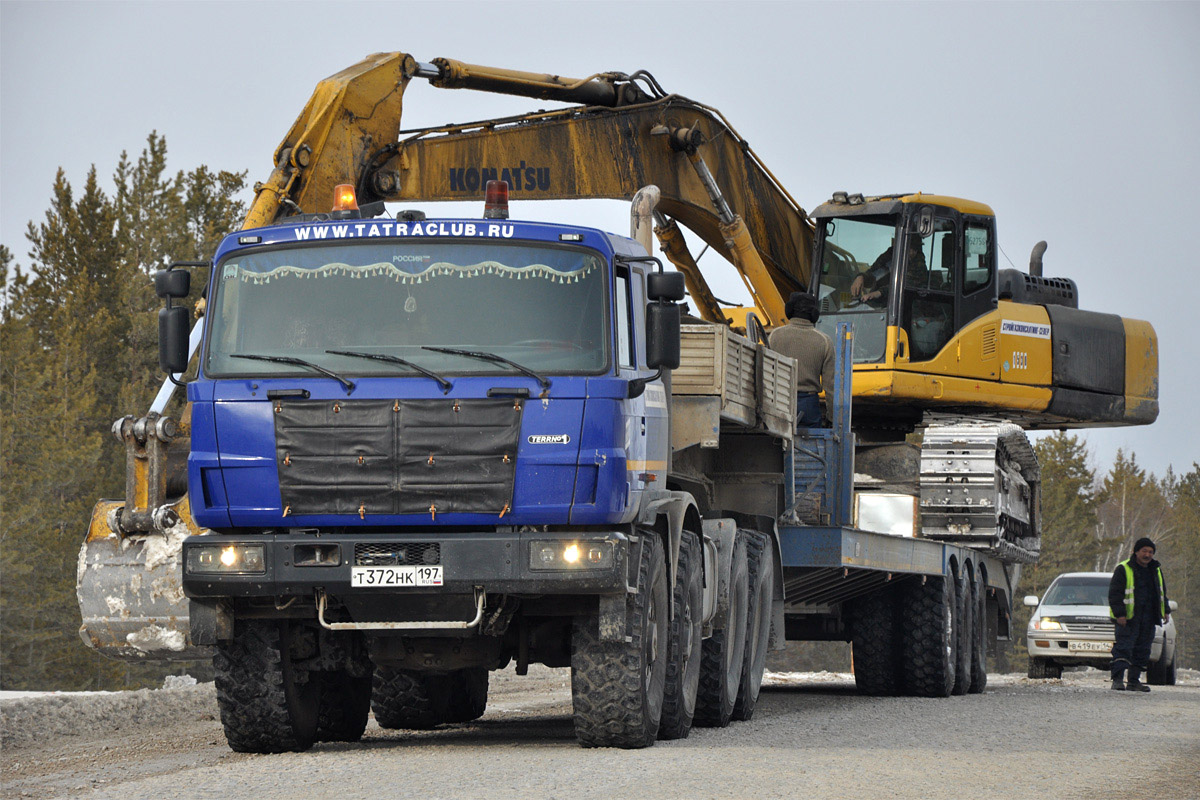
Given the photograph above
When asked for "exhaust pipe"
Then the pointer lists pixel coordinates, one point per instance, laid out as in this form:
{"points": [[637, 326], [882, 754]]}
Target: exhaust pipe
{"points": [[1035, 259]]}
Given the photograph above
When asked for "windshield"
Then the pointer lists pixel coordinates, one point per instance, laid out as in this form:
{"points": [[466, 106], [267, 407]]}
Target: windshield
{"points": [[539, 305], [857, 250], [1077, 592]]}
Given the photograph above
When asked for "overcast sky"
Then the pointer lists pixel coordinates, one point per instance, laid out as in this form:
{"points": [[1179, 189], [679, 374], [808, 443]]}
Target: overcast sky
{"points": [[1077, 123]]}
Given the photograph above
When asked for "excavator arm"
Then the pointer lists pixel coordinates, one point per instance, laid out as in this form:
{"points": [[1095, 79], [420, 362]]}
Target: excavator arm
{"points": [[624, 137]]}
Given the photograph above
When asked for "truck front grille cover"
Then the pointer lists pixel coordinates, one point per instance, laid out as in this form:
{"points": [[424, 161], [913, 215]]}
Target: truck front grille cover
{"points": [[399, 554], [372, 457]]}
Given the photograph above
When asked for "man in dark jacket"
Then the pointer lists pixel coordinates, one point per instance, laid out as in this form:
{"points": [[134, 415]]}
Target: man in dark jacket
{"points": [[1137, 600], [813, 351]]}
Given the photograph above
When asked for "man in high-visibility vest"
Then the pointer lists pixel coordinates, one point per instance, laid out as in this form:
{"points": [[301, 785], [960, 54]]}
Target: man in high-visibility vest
{"points": [[1137, 601]]}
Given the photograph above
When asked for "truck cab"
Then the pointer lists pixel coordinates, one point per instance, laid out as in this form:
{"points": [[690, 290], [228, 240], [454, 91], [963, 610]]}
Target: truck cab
{"points": [[465, 372]]}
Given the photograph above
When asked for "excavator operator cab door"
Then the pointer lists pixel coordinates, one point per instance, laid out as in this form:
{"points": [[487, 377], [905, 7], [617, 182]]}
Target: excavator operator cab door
{"points": [[949, 277]]}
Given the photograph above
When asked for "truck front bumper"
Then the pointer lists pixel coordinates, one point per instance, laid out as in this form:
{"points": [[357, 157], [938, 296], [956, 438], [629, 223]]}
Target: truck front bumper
{"points": [[347, 564]]}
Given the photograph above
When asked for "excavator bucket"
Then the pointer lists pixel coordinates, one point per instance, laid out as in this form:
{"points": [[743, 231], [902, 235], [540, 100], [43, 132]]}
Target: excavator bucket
{"points": [[130, 590]]}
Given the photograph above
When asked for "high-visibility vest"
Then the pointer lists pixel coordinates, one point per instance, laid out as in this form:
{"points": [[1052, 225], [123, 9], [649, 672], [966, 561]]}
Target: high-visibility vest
{"points": [[1162, 610]]}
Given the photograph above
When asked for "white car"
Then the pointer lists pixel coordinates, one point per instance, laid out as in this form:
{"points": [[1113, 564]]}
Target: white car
{"points": [[1071, 626]]}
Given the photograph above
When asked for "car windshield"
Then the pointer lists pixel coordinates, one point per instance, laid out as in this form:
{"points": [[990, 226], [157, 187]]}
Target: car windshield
{"points": [[850, 248], [540, 306], [1077, 592]]}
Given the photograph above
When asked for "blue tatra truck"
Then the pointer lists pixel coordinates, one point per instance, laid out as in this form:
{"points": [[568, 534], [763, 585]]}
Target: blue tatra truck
{"points": [[420, 450]]}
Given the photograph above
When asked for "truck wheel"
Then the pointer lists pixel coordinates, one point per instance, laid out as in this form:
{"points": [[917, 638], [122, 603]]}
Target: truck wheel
{"points": [[758, 623], [964, 630], [267, 705], [464, 693], [617, 687], [979, 637], [343, 707], [723, 652], [684, 643], [400, 698], [927, 645], [875, 638]]}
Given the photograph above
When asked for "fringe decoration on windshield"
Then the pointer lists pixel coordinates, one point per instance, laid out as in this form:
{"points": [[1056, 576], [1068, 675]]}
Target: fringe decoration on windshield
{"points": [[386, 270]]}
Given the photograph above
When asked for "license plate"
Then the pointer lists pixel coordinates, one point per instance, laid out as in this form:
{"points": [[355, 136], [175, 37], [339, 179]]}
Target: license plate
{"points": [[1089, 647], [395, 577]]}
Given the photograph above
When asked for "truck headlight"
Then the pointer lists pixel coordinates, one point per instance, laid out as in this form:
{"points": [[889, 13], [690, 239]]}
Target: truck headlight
{"points": [[567, 555], [1046, 624], [229, 559]]}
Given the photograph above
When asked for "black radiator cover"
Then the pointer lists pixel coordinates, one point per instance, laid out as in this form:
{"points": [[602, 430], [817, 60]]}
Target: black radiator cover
{"points": [[359, 457]]}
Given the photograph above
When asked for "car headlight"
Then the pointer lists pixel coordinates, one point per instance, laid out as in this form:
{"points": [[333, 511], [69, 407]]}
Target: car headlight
{"points": [[1046, 624], [228, 559], [567, 555]]}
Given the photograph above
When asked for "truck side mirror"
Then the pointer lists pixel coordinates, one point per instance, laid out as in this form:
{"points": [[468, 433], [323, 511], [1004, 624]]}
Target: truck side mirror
{"points": [[172, 283], [662, 335], [665, 286], [1031, 600], [173, 338]]}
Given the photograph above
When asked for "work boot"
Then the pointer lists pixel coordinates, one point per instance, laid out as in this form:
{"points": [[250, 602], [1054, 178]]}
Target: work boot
{"points": [[1118, 679], [1135, 685]]}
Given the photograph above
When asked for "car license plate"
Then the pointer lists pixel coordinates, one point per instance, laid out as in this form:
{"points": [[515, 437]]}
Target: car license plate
{"points": [[395, 577], [1089, 647]]}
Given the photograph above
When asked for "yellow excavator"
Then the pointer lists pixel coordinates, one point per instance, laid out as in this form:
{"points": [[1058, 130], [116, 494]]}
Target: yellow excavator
{"points": [[941, 333]]}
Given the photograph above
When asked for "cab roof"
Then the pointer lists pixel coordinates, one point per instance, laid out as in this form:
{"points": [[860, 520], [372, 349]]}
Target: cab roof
{"points": [[843, 204]]}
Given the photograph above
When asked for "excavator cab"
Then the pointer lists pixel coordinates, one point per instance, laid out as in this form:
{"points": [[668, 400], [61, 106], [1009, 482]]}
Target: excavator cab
{"points": [[922, 264]]}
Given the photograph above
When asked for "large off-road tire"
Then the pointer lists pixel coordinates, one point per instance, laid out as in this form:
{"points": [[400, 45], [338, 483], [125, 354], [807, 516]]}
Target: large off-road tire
{"points": [[761, 563], [617, 687], [964, 628], [927, 645], [875, 638], [400, 698], [684, 643], [463, 693], [724, 652], [979, 637], [267, 704], [344, 703], [1043, 668]]}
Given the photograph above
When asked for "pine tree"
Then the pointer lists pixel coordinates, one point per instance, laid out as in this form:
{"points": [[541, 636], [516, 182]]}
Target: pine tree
{"points": [[77, 350]]}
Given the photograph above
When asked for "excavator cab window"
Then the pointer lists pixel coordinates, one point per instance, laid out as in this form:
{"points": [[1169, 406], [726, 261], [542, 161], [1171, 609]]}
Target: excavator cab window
{"points": [[856, 253]]}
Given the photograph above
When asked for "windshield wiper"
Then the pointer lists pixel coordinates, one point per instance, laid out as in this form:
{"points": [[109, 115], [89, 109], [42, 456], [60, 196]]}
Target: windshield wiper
{"points": [[483, 355], [300, 362], [445, 384]]}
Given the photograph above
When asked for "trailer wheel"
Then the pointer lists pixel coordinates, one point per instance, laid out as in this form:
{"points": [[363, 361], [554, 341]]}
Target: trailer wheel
{"points": [[964, 630], [875, 638], [463, 693], [267, 705], [929, 636], [400, 698], [344, 705], [758, 623], [684, 643], [1043, 668], [724, 651], [979, 637], [617, 687]]}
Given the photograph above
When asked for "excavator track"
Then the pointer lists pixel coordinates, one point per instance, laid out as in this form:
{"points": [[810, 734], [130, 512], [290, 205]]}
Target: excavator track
{"points": [[980, 487]]}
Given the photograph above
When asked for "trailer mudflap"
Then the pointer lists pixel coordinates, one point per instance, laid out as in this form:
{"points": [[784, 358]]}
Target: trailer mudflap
{"points": [[130, 592]]}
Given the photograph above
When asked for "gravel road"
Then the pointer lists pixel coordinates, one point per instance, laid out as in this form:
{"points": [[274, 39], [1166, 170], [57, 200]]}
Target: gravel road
{"points": [[811, 736]]}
